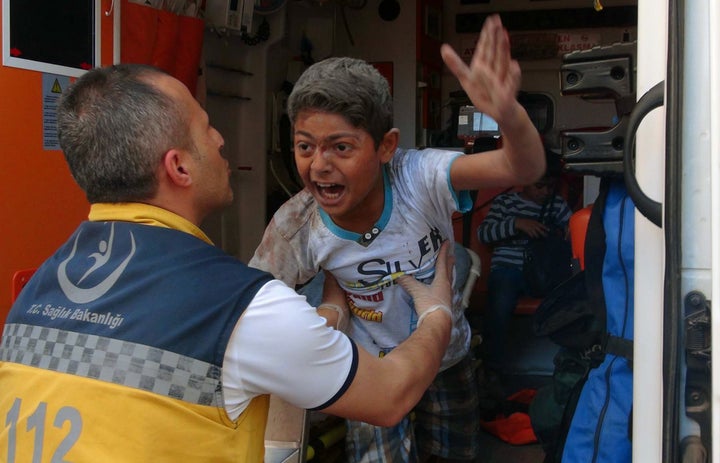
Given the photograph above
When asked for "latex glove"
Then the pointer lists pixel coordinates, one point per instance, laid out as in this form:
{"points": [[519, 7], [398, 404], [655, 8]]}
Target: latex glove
{"points": [[439, 294], [334, 305]]}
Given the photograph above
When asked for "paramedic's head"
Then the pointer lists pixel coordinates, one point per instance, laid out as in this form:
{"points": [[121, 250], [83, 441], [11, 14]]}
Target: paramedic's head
{"points": [[132, 133], [349, 87], [114, 127]]}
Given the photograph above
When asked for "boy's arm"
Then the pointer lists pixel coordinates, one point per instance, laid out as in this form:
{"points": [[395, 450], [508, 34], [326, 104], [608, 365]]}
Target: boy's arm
{"points": [[492, 81]]}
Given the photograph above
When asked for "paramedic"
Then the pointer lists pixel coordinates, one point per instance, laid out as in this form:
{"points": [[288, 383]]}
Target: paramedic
{"points": [[139, 340]]}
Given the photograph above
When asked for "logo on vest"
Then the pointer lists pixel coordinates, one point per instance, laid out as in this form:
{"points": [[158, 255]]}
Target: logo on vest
{"points": [[81, 295]]}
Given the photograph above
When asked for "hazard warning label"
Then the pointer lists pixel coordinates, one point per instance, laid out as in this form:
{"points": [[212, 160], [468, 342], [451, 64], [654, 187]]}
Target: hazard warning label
{"points": [[52, 87]]}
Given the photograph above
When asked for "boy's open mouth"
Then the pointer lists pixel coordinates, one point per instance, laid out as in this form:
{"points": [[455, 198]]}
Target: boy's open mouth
{"points": [[329, 191]]}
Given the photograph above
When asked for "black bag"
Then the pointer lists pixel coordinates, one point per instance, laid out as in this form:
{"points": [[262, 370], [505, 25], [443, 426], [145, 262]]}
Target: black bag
{"points": [[546, 264], [547, 261], [567, 316], [554, 403]]}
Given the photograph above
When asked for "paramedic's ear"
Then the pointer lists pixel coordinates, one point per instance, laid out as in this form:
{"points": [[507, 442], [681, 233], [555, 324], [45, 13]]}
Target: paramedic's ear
{"points": [[174, 165], [388, 145]]}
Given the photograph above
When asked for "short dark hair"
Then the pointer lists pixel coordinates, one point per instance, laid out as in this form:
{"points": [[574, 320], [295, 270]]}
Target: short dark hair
{"points": [[114, 127]]}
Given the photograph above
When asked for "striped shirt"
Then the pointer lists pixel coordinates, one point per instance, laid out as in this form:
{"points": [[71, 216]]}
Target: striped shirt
{"points": [[498, 228]]}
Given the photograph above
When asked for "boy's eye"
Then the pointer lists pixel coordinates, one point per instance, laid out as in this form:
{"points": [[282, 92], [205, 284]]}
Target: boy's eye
{"points": [[302, 147], [342, 147]]}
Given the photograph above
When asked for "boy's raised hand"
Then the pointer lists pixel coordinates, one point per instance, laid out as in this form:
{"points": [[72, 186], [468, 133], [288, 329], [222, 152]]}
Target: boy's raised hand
{"points": [[492, 80]]}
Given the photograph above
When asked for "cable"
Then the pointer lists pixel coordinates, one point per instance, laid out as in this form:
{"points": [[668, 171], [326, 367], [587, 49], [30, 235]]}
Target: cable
{"points": [[277, 178]]}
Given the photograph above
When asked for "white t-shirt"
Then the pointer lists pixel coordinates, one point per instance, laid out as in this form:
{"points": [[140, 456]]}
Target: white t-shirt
{"points": [[417, 217]]}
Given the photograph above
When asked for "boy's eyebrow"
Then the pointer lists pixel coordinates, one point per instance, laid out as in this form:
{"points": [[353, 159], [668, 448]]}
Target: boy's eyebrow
{"points": [[330, 137]]}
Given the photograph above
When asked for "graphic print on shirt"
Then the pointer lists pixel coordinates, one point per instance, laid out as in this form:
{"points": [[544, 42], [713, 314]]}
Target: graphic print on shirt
{"points": [[383, 273], [377, 274], [369, 314]]}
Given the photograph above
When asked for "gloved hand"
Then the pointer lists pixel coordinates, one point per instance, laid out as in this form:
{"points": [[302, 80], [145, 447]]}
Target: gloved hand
{"points": [[334, 302], [439, 294]]}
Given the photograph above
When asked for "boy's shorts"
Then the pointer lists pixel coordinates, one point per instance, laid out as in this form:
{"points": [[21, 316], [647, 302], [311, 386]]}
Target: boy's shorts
{"points": [[365, 443], [446, 423]]}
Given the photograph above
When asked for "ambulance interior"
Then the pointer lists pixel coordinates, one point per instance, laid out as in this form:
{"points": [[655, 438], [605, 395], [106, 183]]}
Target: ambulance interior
{"points": [[402, 39], [252, 52]]}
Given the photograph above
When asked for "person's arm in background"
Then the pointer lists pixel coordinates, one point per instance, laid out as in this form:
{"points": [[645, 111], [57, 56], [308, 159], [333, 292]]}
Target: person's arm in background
{"points": [[492, 81], [499, 223], [561, 214]]}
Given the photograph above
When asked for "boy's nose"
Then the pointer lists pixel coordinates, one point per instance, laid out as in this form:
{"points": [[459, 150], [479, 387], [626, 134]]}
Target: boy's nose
{"points": [[320, 161]]}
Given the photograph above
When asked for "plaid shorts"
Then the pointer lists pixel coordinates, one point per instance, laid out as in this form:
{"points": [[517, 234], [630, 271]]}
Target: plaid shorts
{"points": [[446, 423], [365, 443]]}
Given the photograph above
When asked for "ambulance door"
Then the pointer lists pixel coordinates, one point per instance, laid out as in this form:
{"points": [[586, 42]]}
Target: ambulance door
{"points": [[675, 189]]}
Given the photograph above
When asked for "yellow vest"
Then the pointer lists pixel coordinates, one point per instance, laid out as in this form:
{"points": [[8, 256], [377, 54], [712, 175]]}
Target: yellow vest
{"points": [[81, 420]]}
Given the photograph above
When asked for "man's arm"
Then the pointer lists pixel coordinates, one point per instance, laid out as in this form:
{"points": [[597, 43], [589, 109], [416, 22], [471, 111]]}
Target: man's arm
{"points": [[492, 81], [281, 346], [333, 307], [385, 389]]}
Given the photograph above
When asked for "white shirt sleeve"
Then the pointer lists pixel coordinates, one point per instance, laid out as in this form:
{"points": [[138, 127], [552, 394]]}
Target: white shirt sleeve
{"points": [[281, 346]]}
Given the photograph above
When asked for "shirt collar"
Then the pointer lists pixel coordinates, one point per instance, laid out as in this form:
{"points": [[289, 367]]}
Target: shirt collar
{"points": [[144, 214]]}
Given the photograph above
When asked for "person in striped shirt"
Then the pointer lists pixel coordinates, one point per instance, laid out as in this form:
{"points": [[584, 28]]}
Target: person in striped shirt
{"points": [[513, 219]]}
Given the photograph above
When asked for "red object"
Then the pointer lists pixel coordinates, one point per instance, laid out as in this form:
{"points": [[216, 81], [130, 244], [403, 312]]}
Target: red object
{"points": [[578, 230], [515, 428], [168, 41], [386, 69], [523, 396], [19, 280]]}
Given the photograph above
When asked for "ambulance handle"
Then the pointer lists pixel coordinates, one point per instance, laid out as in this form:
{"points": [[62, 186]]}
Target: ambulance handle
{"points": [[654, 98]]}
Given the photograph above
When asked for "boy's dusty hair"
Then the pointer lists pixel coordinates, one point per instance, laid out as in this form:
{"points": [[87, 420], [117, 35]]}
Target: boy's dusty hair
{"points": [[349, 87]]}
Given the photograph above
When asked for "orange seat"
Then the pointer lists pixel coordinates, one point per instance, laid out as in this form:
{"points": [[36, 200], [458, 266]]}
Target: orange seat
{"points": [[578, 230], [527, 305], [18, 282]]}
